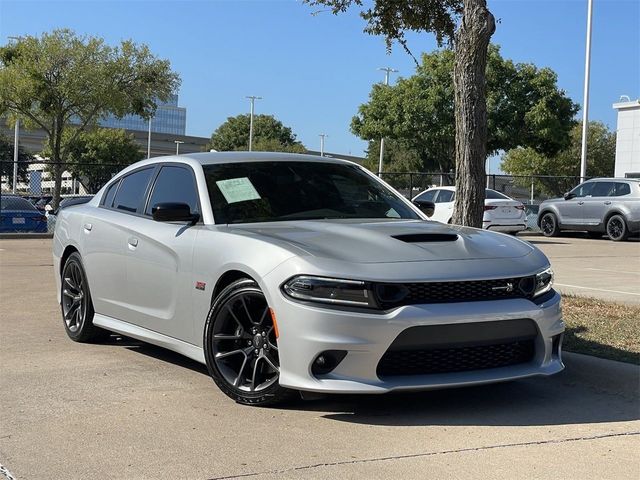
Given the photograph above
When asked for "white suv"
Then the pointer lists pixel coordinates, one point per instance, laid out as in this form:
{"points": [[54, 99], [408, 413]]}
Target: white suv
{"points": [[501, 213]]}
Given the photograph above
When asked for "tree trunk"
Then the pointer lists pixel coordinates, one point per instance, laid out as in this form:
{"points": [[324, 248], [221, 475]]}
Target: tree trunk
{"points": [[471, 43]]}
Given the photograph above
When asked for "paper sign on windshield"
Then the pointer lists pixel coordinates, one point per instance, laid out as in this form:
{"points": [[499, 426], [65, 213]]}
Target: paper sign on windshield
{"points": [[237, 190]]}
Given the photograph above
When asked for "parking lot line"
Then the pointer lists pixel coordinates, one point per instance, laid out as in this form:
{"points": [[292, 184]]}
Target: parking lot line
{"points": [[598, 289]]}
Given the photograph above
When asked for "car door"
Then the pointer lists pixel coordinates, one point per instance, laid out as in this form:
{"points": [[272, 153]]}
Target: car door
{"points": [[571, 210], [159, 258], [444, 205], [597, 204], [105, 234]]}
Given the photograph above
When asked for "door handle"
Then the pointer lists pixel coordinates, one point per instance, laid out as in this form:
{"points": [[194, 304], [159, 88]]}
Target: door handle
{"points": [[133, 242], [88, 227], [607, 203]]}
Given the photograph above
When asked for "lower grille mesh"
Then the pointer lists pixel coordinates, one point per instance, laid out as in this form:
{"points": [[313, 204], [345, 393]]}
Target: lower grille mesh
{"points": [[455, 359]]}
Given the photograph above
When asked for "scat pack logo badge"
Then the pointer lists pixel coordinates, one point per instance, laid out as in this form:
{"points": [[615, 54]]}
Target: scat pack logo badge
{"points": [[200, 285]]}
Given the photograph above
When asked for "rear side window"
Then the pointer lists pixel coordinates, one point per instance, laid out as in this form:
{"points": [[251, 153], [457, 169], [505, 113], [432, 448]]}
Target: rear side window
{"points": [[132, 190], [603, 189], [107, 200], [622, 189], [445, 196], [15, 203], [176, 185]]}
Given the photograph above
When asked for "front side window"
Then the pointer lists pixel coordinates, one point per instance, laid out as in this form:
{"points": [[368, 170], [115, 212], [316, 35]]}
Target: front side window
{"points": [[603, 189], [174, 185], [280, 191], [428, 196], [132, 190], [583, 190]]}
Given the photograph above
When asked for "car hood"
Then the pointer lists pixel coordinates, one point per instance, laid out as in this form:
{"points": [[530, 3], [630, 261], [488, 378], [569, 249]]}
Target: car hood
{"points": [[387, 240]]}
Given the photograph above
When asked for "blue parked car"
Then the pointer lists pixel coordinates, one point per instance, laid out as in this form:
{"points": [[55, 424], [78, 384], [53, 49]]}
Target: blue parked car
{"points": [[18, 215]]}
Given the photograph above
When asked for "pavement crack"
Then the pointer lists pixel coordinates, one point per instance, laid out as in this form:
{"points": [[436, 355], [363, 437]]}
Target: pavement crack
{"points": [[426, 454]]}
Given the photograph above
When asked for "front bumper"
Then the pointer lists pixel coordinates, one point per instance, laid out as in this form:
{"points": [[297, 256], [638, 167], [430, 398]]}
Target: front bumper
{"points": [[308, 330]]}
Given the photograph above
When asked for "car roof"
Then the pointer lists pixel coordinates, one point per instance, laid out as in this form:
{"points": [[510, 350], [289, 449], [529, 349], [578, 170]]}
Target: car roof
{"points": [[614, 179]]}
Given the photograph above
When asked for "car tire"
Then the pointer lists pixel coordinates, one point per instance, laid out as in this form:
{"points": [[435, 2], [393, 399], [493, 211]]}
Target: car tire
{"points": [[76, 304], [240, 346], [549, 225], [617, 229]]}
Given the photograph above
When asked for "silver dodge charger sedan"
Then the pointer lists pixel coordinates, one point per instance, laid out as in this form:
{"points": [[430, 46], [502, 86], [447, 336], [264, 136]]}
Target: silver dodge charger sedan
{"points": [[287, 273]]}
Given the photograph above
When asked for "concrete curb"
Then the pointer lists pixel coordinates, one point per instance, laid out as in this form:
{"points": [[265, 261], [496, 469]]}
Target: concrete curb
{"points": [[14, 236]]}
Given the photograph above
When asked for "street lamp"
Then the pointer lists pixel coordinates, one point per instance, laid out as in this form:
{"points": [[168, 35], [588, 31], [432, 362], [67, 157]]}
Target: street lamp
{"points": [[322, 137], [585, 106], [252, 99], [387, 71], [178, 142]]}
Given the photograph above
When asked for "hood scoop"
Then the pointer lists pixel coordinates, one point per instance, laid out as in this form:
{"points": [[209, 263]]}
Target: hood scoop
{"points": [[426, 237]]}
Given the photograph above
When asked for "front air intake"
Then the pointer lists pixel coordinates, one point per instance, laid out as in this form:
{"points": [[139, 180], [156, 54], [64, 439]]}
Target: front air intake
{"points": [[426, 237]]}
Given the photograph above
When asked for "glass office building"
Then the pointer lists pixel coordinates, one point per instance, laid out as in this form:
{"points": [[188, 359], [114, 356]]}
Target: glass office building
{"points": [[169, 118]]}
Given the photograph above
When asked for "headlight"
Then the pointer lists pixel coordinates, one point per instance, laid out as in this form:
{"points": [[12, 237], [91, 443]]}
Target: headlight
{"points": [[336, 291], [544, 281]]}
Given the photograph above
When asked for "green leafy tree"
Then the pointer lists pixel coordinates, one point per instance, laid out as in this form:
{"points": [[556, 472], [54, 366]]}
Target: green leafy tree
{"points": [[269, 135], [94, 156], [601, 148], [6, 161], [525, 107], [467, 25], [60, 79]]}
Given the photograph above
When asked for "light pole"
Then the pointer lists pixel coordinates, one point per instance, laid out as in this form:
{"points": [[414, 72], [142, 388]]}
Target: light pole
{"points": [[387, 71], [252, 99], [322, 137], [149, 140], [585, 103], [16, 142], [178, 142]]}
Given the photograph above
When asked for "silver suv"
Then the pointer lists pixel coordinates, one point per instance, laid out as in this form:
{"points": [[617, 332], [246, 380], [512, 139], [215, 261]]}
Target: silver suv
{"points": [[597, 206]]}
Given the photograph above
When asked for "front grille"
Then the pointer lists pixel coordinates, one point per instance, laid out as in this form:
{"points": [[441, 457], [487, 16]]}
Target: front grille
{"points": [[466, 291], [459, 347], [460, 359]]}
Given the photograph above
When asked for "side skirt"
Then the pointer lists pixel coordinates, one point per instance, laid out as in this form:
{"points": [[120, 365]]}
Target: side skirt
{"points": [[139, 333]]}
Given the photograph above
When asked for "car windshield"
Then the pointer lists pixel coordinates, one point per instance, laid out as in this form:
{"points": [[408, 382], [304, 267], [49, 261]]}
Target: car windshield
{"points": [[493, 195], [15, 203], [279, 191]]}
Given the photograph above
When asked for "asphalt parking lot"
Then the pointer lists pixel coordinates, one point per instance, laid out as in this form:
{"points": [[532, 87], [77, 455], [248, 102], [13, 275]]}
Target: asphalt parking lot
{"points": [[123, 409]]}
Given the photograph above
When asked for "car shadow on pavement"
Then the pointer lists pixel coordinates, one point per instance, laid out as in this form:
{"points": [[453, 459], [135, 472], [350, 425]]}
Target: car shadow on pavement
{"points": [[588, 391]]}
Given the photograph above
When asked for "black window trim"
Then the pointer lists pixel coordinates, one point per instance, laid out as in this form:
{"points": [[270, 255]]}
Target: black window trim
{"points": [[154, 167], [152, 185]]}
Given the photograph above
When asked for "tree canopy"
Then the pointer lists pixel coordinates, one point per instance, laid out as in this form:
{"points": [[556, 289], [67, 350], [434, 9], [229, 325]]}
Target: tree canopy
{"points": [[60, 79], [94, 156], [6, 161], [601, 148], [525, 108], [269, 134]]}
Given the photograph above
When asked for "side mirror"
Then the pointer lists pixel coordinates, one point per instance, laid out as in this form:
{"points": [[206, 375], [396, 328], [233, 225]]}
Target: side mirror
{"points": [[427, 207], [569, 195], [173, 212]]}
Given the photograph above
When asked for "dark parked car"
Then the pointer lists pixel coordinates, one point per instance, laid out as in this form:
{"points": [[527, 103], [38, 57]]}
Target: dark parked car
{"points": [[19, 215]]}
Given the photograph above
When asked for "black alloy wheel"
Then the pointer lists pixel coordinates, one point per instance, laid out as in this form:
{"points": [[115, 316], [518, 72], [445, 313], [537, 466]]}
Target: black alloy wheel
{"points": [[77, 308], [549, 225], [241, 348], [617, 228]]}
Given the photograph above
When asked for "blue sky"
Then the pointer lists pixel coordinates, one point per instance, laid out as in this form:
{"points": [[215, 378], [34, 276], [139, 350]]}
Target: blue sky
{"points": [[315, 70]]}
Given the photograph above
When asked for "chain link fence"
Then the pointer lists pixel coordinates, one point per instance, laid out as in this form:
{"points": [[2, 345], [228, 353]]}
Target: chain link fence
{"points": [[34, 183]]}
